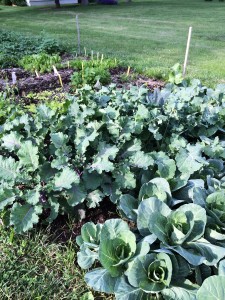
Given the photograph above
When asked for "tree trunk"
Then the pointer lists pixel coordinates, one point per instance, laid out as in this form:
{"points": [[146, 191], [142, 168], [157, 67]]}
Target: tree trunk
{"points": [[57, 3], [84, 2]]}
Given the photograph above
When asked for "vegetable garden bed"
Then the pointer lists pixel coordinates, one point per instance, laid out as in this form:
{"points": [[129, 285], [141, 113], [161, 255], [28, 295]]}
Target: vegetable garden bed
{"points": [[28, 82], [140, 170]]}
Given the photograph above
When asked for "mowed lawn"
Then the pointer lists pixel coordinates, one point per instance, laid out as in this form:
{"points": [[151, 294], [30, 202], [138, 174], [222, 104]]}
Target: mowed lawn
{"points": [[147, 34]]}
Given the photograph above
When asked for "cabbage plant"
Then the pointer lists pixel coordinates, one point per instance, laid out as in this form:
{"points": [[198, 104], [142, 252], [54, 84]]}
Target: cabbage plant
{"points": [[117, 246], [215, 204], [89, 243], [151, 273], [180, 230]]}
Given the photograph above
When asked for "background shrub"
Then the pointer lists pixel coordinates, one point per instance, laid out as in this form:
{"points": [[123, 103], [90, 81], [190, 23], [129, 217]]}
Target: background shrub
{"points": [[14, 46]]}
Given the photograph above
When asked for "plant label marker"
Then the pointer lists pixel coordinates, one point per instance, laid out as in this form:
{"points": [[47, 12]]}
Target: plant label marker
{"points": [[14, 79], [37, 75], [78, 34], [92, 54], [97, 55], [56, 73], [187, 51], [102, 58], [85, 51]]}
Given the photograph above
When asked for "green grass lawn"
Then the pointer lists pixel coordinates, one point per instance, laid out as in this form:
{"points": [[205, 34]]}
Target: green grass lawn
{"points": [[39, 266], [146, 34], [36, 267]]}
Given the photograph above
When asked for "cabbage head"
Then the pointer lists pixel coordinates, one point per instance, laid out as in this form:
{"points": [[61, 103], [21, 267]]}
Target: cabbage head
{"points": [[152, 273], [215, 204], [89, 244], [180, 230], [117, 246]]}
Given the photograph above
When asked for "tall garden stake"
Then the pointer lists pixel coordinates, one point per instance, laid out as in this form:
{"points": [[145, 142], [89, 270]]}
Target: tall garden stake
{"points": [[78, 34], [187, 51]]}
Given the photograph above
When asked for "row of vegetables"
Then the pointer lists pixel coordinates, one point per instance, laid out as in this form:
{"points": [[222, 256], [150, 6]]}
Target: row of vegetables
{"points": [[159, 156]]}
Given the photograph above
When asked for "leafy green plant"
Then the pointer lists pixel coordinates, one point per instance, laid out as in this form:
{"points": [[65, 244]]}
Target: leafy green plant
{"points": [[53, 99], [8, 60], [178, 214], [9, 110], [175, 74], [212, 287], [127, 145], [92, 71], [106, 63], [90, 76], [15, 2], [167, 249], [41, 62], [15, 46]]}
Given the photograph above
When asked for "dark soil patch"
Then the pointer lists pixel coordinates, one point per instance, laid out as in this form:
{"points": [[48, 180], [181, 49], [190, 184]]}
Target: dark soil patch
{"points": [[6, 74], [27, 82], [62, 232], [119, 77]]}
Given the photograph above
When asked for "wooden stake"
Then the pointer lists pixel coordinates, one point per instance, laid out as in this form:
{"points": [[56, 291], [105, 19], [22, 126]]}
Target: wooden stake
{"points": [[85, 51], [36, 72], [78, 34], [57, 73], [92, 54], [128, 71], [82, 70], [187, 51]]}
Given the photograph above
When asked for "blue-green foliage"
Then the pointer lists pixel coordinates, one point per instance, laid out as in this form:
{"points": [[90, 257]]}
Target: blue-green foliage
{"points": [[175, 200], [158, 156], [169, 247], [127, 145]]}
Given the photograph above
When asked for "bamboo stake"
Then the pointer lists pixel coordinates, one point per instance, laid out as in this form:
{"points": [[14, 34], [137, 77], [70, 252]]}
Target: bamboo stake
{"points": [[78, 34], [36, 72], [82, 70], [187, 51], [57, 74], [128, 71]]}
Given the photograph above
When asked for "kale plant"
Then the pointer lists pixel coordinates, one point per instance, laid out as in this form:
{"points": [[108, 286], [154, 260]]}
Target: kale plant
{"points": [[124, 145]]}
